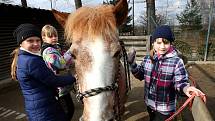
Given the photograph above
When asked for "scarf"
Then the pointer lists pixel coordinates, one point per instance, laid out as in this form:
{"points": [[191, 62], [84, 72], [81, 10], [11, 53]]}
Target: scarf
{"points": [[38, 53]]}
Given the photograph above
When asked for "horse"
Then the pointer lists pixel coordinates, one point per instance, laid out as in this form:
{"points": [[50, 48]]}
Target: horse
{"points": [[96, 49]]}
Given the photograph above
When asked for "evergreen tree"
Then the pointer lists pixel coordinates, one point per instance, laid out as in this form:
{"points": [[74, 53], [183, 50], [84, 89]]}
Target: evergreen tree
{"points": [[126, 26], [191, 17]]}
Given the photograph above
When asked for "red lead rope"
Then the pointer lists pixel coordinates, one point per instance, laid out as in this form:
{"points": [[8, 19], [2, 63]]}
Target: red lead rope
{"points": [[189, 100], [192, 80]]}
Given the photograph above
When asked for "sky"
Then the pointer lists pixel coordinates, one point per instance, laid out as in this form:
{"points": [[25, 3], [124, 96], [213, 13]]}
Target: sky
{"points": [[167, 7]]}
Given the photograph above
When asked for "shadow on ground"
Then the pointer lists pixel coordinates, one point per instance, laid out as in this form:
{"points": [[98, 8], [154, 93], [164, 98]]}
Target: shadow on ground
{"points": [[135, 107]]}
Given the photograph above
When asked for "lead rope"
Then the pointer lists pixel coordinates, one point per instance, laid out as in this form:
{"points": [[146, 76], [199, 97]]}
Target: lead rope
{"points": [[126, 66], [127, 79], [117, 116], [189, 100], [78, 91]]}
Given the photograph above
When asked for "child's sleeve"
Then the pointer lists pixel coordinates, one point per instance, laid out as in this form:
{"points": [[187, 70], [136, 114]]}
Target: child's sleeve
{"points": [[38, 70], [52, 57], [138, 70], [181, 76], [68, 57]]}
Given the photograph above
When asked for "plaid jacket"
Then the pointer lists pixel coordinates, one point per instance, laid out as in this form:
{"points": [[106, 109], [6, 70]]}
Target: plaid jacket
{"points": [[162, 83]]}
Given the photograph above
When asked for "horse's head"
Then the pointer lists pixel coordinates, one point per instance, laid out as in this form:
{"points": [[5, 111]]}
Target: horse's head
{"points": [[94, 36]]}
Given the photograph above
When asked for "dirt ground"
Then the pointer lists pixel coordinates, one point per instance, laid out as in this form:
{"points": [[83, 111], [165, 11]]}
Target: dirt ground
{"points": [[204, 75], [136, 109]]}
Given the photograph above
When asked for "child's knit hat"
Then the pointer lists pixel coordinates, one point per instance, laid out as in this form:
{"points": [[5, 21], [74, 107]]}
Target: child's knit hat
{"points": [[163, 31], [25, 31]]}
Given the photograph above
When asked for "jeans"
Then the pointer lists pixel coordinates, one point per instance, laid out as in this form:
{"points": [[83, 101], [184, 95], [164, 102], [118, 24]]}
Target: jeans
{"points": [[68, 105]]}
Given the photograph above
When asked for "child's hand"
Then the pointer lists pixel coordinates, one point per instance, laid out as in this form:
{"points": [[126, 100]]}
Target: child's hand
{"points": [[189, 90], [131, 56]]}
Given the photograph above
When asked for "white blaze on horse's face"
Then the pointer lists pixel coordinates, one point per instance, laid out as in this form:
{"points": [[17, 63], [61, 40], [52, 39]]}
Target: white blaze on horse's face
{"points": [[99, 75], [102, 66]]}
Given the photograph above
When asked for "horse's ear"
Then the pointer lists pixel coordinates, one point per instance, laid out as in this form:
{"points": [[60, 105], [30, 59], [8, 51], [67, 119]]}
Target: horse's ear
{"points": [[60, 17], [121, 11]]}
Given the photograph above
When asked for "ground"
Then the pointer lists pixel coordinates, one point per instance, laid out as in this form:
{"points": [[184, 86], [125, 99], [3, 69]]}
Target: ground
{"points": [[204, 74]]}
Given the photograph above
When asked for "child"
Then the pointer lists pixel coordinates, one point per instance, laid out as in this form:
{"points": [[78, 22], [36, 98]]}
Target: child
{"points": [[164, 74], [56, 61], [37, 81]]}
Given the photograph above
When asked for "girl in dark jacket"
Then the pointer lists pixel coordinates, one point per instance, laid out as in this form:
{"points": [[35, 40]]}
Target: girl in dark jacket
{"points": [[37, 81]]}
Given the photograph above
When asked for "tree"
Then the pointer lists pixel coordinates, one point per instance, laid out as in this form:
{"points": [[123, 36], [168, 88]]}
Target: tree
{"points": [[24, 3], [159, 19], [126, 26], [190, 17], [78, 4]]}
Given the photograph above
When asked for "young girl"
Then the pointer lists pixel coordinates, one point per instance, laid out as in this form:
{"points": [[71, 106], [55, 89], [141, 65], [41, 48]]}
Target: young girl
{"points": [[164, 74], [56, 61], [38, 83]]}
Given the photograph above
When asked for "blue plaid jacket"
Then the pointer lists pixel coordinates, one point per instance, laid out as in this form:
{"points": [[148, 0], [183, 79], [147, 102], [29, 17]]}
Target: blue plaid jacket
{"points": [[164, 79]]}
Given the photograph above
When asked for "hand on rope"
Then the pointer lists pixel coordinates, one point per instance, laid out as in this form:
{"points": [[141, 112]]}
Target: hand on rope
{"points": [[191, 92], [188, 90], [131, 56]]}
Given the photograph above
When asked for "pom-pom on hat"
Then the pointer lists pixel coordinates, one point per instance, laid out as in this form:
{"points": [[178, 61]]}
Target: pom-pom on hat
{"points": [[25, 31], [163, 31]]}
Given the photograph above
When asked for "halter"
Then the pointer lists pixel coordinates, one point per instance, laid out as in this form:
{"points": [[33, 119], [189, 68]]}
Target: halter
{"points": [[95, 91], [113, 87]]}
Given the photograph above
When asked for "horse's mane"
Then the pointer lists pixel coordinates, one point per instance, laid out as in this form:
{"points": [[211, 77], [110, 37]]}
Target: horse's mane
{"points": [[88, 23]]}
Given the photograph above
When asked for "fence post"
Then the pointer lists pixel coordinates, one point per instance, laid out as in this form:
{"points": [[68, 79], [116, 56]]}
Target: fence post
{"points": [[200, 111], [148, 44], [209, 28]]}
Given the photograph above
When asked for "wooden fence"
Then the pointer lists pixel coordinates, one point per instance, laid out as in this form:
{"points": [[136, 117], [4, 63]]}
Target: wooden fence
{"points": [[140, 43]]}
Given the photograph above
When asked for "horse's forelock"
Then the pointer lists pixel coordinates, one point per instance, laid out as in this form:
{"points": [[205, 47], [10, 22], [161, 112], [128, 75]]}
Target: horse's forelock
{"points": [[90, 23]]}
